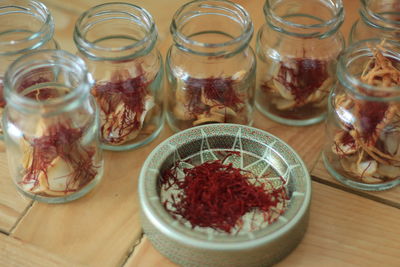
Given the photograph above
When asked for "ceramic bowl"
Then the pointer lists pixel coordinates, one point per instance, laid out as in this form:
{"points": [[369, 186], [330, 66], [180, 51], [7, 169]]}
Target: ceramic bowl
{"points": [[261, 153]]}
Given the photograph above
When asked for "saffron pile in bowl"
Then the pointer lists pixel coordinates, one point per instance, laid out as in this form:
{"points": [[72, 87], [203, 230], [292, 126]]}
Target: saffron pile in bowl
{"points": [[216, 194]]}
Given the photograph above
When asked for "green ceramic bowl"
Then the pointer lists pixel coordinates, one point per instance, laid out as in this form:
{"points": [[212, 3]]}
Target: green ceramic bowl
{"points": [[261, 153]]}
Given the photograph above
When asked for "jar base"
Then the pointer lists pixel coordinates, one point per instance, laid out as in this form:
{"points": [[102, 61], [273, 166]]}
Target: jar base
{"points": [[353, 184], [68, 198], [143, 142], [291, 122]]}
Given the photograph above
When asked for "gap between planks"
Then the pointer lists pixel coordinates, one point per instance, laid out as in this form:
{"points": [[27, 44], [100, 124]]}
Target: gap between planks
{"points": [[315, 163], [23, 214], [4, 232], [356, 192], [132, 249]]}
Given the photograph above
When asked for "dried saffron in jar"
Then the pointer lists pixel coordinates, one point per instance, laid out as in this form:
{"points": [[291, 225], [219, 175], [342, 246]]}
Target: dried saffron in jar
{"points": [[51, 127], [363, 149], [123, 104], [209, 100], [297, 49], [217, 195], [127, 70], [210, 65]]}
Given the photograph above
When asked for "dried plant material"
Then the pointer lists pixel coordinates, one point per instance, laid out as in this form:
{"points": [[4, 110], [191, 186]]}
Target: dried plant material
{"points": [[369, 146], [298, 82], [380, 70], [216, 114], [56, 163], [344, 144], [124, 103], [209, 100], [216, 195]]}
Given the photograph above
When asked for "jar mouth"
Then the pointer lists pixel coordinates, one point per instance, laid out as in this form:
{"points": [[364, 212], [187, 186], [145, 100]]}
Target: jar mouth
{"points": [[30, 34], [61, 78], [97, 30], [356, 56], [232, 34], [282, 17], [380, 18]]}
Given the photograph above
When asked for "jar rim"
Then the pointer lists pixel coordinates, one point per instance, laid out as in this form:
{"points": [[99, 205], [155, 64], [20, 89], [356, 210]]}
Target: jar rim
{"points": [[365, 12], [46, 30], [82, 42], [244, 37], [352, 82], [335, 22], [22, 102]]}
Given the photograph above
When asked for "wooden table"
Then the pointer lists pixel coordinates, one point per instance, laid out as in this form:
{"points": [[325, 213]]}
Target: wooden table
{"points": [[347, 227]]}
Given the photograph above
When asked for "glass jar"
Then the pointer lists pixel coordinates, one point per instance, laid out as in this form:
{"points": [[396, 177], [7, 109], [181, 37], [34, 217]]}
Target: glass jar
{"points": [[363, 126], [297, 51], [51, 127], [117, 42], [210, 67], [378, 19], [25, 26]]}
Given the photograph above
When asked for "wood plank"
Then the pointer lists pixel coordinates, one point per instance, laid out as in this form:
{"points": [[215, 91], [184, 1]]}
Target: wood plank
{"points": [[345, 230], [100, 228], [12, 204], [66, 14], [113, 207], [307, 141], [15, 252], [64, 25], [391, 196], [163, 10]]}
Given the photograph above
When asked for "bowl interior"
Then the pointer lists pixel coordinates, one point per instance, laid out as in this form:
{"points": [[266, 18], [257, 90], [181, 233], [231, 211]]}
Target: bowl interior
{"points": [[260, 153]]}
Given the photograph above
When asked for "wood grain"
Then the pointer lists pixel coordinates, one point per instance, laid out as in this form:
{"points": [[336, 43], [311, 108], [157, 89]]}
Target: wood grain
{"points": [[100, 228], [12, 204], [16, 253], [64, 20], [307, 141], [345, 230], [391, 196], [66, 14]]}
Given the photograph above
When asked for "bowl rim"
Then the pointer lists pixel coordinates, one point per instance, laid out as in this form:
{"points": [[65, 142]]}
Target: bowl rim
{"points": [[177, 236]]}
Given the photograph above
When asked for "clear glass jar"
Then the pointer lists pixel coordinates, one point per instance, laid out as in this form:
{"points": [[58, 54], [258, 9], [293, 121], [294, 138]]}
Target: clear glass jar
{"points": [[117, 42], [363, 126], [378, 19], [297, 51], [210, 67], [25, 26], [51, 127]]}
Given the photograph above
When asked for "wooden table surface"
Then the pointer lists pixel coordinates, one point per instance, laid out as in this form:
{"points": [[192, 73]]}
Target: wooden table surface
{"points": [[347, 227]]}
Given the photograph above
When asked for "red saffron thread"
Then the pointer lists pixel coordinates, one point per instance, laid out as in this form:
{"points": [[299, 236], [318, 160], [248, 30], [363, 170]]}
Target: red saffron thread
{"points": [[217, 195], [131, 93], [2, 99], [305, 78], [220, 90], [371, 114], [61, 141]]}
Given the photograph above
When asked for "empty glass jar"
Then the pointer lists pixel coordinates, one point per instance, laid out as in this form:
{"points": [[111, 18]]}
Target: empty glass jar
{"points": [[297, 51], [25, 26], [378, 19], [363, 126], [51, 127], [210, 67], [117, 42]]}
